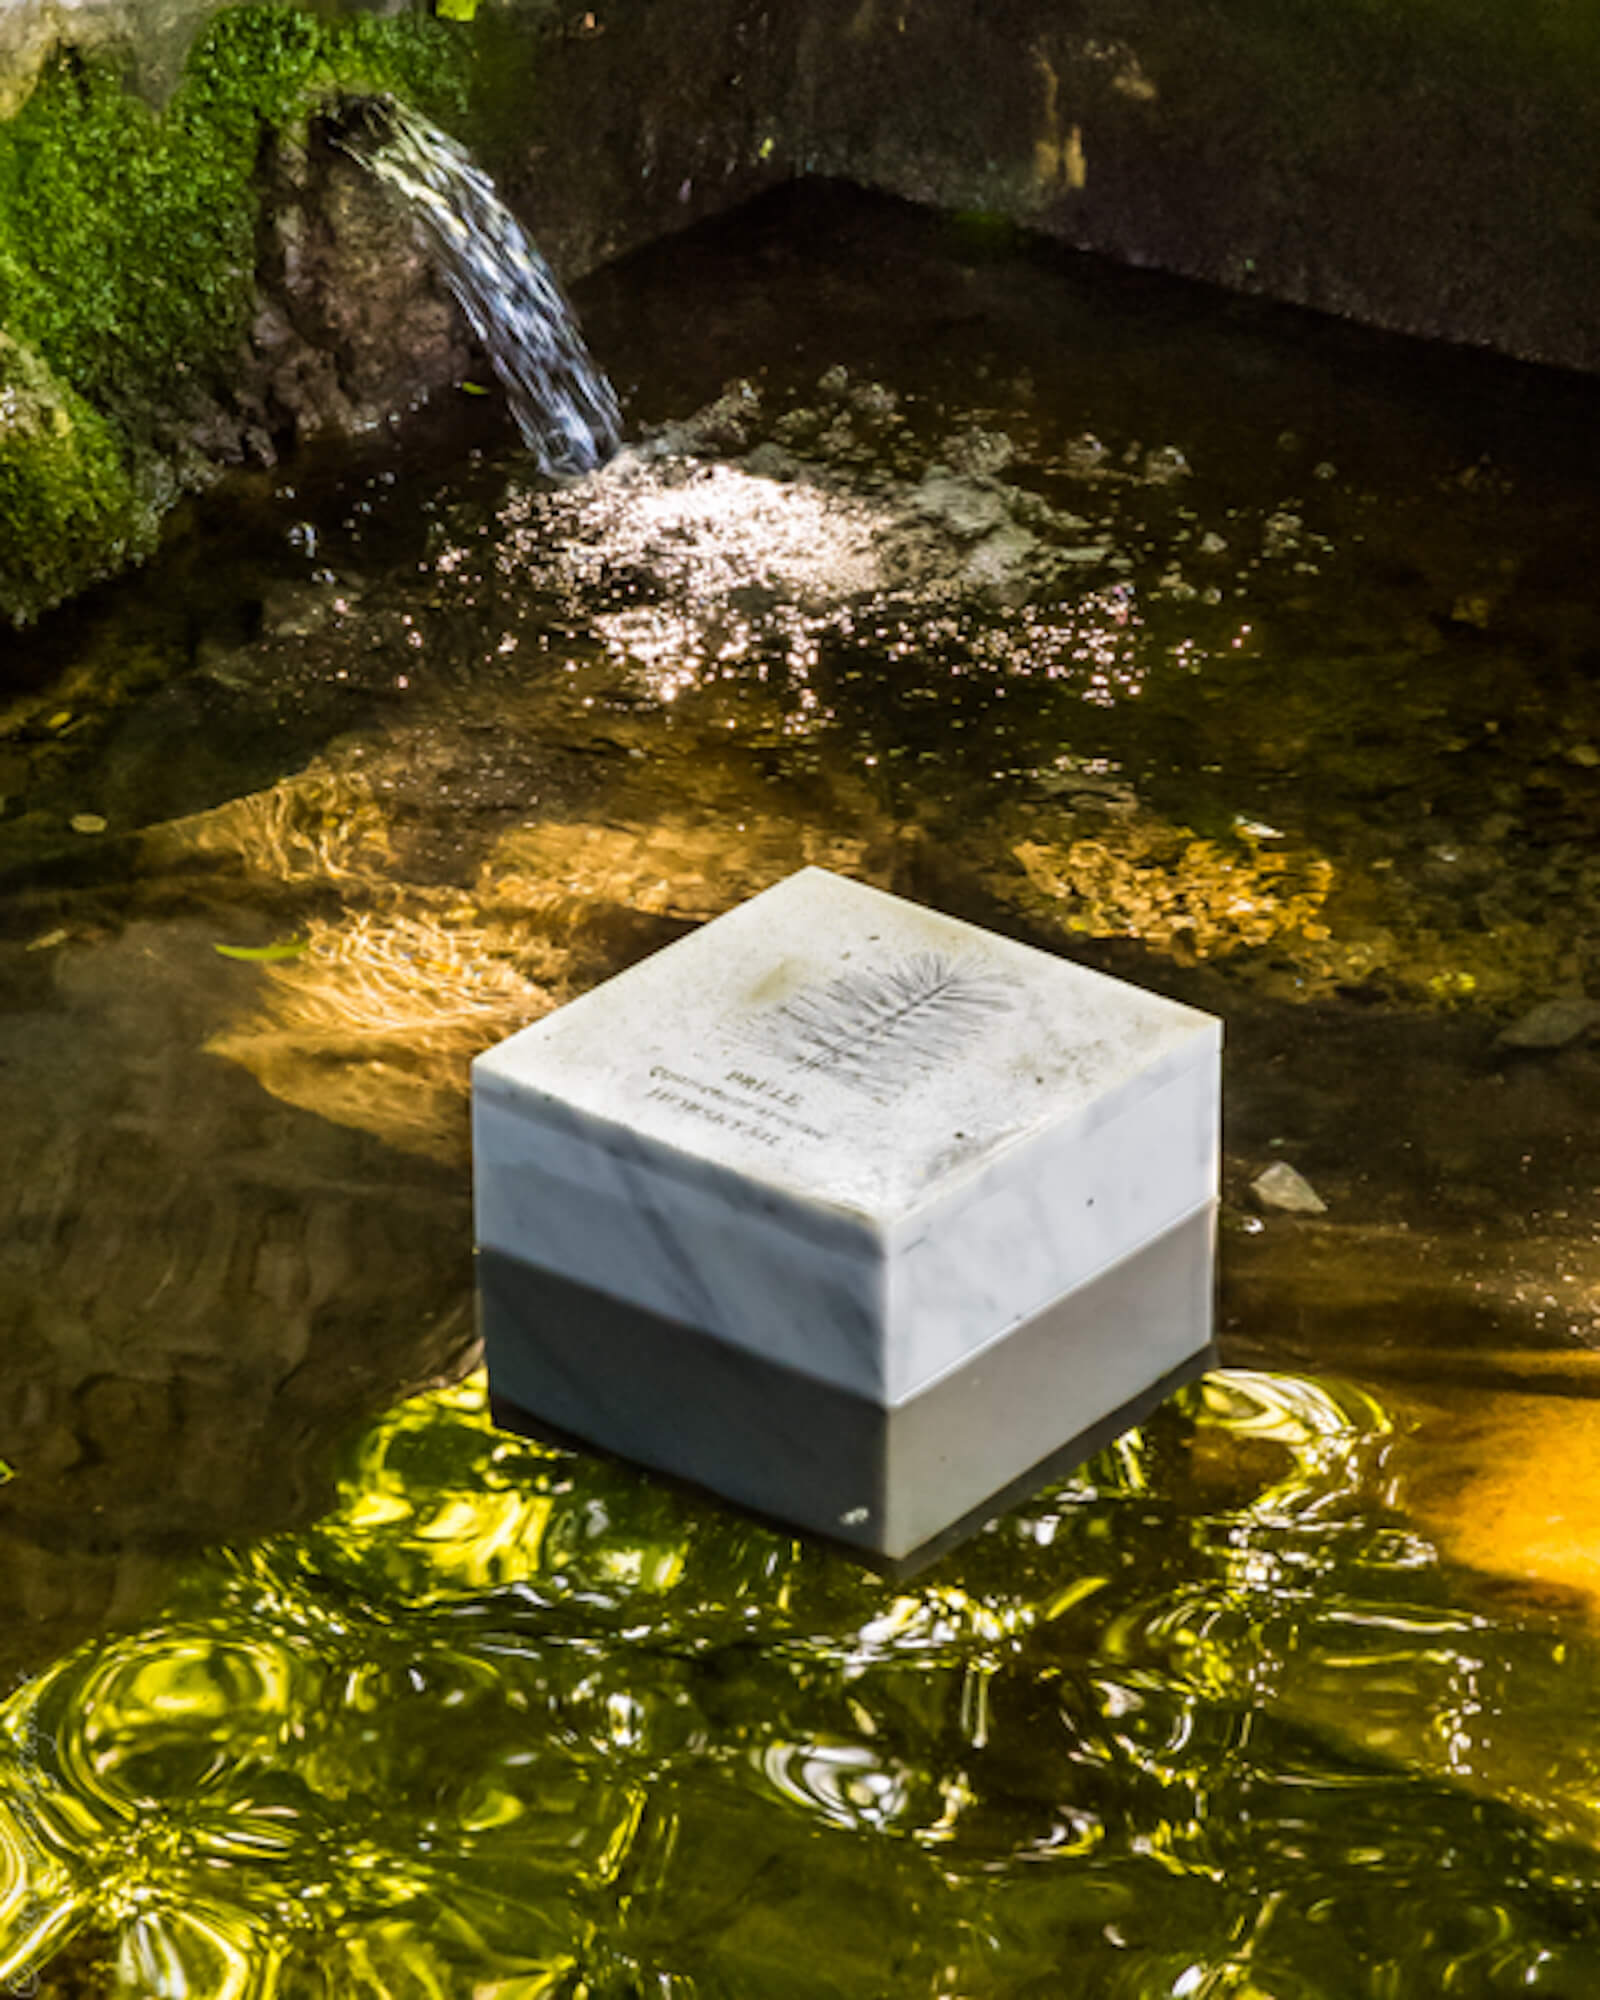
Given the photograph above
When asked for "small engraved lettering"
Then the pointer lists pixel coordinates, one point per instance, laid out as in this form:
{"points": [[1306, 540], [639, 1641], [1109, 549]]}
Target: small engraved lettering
{"points": [[765, 1087], [755, 1107], [708, 1114]]}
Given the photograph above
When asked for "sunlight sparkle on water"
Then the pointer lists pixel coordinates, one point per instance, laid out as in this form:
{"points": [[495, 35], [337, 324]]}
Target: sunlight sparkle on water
{"points": [[696, 568], [689, 571]]}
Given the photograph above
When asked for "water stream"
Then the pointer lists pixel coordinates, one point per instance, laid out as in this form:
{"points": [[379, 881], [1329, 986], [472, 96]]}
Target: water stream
{"points": [[1247, 656], [563, 405]]}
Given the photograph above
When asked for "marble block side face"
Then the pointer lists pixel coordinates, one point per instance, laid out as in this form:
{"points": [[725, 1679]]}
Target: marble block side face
{"points": [[620, 1220], [846, 1135], [894, 1483]]}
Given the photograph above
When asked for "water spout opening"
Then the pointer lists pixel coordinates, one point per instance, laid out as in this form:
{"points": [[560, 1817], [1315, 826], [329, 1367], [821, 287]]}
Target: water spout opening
{"points": [[357, 125]]}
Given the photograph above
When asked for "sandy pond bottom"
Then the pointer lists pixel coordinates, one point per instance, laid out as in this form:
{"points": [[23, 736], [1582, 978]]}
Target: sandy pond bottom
{"points": [[1246, 656]]}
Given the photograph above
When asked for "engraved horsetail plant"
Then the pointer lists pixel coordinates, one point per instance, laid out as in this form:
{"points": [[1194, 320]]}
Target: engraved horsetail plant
{"points": [[880, 1030], [564, 407]]}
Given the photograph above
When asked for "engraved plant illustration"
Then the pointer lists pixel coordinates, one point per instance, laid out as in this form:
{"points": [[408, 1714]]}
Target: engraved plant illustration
{"points": [[884, 1028]]}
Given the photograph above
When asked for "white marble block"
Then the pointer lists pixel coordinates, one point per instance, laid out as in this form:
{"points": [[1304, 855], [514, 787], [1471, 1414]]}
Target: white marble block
{"points": [[837, 1149]]}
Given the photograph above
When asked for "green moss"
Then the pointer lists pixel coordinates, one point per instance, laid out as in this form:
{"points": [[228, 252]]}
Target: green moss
{"points": [[127, 243], [69, 506], [127, 237]]}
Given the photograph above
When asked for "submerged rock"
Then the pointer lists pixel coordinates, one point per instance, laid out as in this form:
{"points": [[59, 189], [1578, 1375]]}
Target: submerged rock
{"points": [[1552, 1024], [1283, 1188]]}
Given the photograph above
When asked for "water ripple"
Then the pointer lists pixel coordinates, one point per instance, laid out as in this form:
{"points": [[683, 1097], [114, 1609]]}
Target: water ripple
{"points": [[512, 1719]]}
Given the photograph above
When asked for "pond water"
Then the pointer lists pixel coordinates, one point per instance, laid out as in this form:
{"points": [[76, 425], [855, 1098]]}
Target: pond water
{"points": [[1245, 655]]}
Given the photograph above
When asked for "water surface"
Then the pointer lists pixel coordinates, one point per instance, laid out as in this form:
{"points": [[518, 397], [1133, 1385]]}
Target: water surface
{"points": [[1244, 655]]}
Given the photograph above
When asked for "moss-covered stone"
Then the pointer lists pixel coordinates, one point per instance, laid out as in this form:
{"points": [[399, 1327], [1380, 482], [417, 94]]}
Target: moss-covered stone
{"points": [[69, 505], [127, 245], [128, 254]]}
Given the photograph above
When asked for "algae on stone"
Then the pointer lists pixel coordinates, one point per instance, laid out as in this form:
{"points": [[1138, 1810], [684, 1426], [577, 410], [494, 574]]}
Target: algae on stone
{"points": [[128, 267]]}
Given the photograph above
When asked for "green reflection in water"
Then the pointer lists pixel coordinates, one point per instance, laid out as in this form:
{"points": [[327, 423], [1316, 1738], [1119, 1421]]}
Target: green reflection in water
{"points": [[511, 1721]]}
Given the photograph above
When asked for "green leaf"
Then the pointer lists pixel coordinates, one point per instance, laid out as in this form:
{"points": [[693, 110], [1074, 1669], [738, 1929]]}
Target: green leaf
{"points": [[455, 10], [473, 389], [6, 1472], [265, 954]]}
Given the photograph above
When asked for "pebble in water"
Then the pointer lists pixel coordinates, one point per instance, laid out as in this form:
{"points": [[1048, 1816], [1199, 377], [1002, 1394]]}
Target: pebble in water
{"points": [[1281, 1187], [1552, 1024]]}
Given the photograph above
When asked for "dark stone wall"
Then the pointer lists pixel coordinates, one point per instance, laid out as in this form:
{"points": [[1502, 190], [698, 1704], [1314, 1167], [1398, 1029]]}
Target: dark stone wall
{"points": [[1426, 165], [1429, 166]]}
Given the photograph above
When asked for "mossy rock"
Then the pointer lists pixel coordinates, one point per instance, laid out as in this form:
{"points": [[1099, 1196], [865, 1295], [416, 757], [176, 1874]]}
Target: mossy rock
{"points": [[69, 509], [127, 237], [128, 241]]}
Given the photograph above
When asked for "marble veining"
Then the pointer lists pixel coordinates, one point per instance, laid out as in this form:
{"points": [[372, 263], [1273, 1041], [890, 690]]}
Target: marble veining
{"points": [[889, 1481], [1071, 1206], [848, 1135], [669, 1245]]}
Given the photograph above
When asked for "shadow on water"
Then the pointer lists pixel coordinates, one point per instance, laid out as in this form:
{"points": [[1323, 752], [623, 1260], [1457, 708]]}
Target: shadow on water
{"points": [[1245, 655]]}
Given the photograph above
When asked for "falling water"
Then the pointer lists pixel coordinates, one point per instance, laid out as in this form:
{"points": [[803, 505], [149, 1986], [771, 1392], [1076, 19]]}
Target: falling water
{"points": [[564, 406]]}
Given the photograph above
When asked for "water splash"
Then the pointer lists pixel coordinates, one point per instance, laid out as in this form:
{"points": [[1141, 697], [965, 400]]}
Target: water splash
{"points": [[565, 408]]}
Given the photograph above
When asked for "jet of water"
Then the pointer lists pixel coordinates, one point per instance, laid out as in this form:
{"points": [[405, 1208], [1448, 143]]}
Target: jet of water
{"points": [[565, 408]]}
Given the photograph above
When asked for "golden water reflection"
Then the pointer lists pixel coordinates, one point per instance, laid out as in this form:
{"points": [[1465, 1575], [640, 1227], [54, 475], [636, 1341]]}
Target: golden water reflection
{"points": [[1290, 1696], [513, 1720]]}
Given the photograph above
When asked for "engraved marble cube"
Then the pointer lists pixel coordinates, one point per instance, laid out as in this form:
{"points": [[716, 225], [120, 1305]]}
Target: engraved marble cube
{"points": [[847, 1210]]}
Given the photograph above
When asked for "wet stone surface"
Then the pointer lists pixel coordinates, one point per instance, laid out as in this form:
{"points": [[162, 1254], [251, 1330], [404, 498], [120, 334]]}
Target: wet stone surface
{"points": [[1243, 656]]}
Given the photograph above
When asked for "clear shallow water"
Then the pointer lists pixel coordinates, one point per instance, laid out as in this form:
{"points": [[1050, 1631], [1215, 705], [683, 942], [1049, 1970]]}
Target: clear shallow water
{"points": [[913, 571]]}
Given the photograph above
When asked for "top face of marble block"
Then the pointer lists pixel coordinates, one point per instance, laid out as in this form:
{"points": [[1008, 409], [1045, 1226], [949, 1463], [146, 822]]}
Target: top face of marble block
{"points": [[847, 1049]]}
